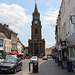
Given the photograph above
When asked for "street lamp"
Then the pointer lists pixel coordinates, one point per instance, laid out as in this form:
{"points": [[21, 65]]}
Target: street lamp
{"points": [[72, 17]]}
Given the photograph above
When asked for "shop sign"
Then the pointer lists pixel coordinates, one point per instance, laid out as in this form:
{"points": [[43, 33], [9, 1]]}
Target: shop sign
{"points": [[14, 52], [63, 43]]}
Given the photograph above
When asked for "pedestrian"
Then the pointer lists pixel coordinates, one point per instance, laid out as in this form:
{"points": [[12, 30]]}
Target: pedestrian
{"points": [[60, 61]]}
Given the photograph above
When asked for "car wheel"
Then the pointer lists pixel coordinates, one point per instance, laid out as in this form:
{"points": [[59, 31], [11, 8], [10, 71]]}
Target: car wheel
{"points": [[21, 69], [14, 71]]}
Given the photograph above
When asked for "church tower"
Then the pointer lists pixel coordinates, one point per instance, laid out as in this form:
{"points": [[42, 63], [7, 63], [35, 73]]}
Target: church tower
{"points": [[36, 44], [36, 25]]}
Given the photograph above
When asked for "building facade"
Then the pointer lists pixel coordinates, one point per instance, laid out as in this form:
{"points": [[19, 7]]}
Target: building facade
{"points": [[10, 34], [5, 45], [48, 51], [66, 29], [20, 47], [8, 45], [36, 44]]}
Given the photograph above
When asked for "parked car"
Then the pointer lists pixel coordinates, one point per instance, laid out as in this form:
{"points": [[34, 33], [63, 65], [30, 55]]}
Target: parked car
{"points": [[22, 58], [10, 65], [1, 59], [13, 56], [44, 58], [34, 59], [49, 56]]}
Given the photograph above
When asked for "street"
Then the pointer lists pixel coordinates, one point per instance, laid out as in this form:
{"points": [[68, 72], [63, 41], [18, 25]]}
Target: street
{"points": [[25, 70], [46, 67], [32, 32]]}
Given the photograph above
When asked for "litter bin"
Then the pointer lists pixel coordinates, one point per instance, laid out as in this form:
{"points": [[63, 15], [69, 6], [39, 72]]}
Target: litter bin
{"points": [[35, 67], [69, 66]]}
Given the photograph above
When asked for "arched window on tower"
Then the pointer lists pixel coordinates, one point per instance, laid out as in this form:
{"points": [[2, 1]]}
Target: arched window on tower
{"points": [[36, 31]]}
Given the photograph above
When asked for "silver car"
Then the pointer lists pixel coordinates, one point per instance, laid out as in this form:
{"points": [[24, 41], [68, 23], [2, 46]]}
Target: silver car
{"points": [[34, 59]]}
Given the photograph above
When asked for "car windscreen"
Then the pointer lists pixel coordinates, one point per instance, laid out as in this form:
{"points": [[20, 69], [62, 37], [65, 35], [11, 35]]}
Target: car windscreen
{"points": [[34, 57], [9, 60]]}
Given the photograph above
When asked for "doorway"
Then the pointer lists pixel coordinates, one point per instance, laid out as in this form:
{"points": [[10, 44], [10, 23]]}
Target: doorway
{"points": [[36, 49]]}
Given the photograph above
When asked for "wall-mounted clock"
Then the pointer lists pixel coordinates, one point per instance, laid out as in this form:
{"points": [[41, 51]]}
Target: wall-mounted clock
{"points": [[36, 22]]}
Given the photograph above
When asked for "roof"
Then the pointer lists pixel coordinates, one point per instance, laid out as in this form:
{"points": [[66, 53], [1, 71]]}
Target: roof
{"points": [[2, 35], [49, 49], [7, 27]]}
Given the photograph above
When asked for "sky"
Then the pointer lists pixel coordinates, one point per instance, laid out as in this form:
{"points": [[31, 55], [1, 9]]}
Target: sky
{"points": [[18, 15]]}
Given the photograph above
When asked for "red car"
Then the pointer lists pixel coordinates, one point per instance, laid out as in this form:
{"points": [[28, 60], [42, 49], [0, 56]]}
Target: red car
{"points": [[44, 58], [22, 58]]}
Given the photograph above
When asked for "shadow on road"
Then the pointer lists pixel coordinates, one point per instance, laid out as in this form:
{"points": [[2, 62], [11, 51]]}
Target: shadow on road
{"points": [[8, 73], [49, 67]]}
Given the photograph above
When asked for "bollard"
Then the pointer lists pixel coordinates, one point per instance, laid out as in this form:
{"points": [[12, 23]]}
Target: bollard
{"points": [[35, 67]]}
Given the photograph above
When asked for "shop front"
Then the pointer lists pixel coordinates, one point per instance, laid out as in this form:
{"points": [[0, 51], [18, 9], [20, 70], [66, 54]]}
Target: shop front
{"points": [[1, 49], [65, 54], [71, 45], [58, 47], [1, 54]]}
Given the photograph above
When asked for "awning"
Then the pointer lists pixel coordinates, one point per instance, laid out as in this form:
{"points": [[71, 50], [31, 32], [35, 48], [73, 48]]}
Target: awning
{"points": [[15, 52]]}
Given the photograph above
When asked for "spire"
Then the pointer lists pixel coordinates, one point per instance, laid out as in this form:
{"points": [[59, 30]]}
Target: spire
{"points": [[36, 10]]}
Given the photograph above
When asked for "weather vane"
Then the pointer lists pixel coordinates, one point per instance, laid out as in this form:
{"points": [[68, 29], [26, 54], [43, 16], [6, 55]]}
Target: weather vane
{"points": [[35, 1]]}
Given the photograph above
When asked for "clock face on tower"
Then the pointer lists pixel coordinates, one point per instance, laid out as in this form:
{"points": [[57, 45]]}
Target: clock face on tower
{"points": [[36, 22]]}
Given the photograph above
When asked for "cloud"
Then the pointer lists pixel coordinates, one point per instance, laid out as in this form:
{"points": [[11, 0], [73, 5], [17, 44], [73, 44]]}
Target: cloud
{"points": [[50, 44], [13, 15], [49, 22], [50, 19]]}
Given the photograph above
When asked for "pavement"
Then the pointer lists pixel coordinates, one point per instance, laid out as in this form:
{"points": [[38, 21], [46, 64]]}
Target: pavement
{"points": [[46, 67]]}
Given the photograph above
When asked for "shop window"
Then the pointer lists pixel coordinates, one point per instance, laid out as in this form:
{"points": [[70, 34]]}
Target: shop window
{"points": [[0, 55], [72, 52], [68, 1], [1, 42]]}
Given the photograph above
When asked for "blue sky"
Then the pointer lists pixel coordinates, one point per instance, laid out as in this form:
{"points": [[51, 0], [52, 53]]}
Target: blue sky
{"points": [[18, 15]]}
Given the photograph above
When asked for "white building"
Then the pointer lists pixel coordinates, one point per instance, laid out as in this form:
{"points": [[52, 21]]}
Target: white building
{"points": [[8, 45], [48, 51], [19, 46], [66, 28], [5, 45]]}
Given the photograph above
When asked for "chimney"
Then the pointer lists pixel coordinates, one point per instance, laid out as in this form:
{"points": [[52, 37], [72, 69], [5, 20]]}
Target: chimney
{"points": [[7, 26], [4, 25], [0, 23]]}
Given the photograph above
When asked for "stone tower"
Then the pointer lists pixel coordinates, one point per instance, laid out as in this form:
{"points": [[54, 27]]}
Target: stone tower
{"points": [[36, 44]]}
